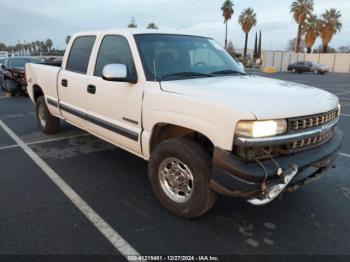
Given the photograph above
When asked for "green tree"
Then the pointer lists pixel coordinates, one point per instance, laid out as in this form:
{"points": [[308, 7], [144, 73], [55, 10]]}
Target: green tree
{"points": [[256, 55], [227, 12], [49, 44], [43, 46], [330, 25], [132, 23], [33, 45], [300, 9], [259, 45], [2, 47], [247, 20], [152, 26]]}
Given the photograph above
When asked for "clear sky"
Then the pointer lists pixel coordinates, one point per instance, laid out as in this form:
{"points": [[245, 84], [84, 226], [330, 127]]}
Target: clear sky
{"points": [[38, 20]]}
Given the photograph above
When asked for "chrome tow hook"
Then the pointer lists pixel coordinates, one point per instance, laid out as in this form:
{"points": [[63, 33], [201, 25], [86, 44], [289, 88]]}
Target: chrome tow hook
{"points": [[273, 190]]}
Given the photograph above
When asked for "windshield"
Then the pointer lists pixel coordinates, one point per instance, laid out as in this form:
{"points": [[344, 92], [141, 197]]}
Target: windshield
{"points": [[20, 62], [174, 57]]}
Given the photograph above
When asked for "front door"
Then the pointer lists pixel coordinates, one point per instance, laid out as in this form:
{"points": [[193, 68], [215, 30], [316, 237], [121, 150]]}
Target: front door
{"points": [[115, 107]]}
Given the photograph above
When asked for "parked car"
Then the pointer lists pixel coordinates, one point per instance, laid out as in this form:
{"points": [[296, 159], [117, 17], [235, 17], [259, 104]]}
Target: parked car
{"points": [[3, 54], [12, 75], [301, 67], [182, 103]]}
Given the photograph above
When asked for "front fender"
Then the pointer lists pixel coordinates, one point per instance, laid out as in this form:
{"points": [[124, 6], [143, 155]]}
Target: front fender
{"points": [[215, 121]]}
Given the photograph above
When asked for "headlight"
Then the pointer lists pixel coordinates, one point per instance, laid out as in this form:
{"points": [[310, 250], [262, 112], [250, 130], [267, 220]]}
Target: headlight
{"points": [[261, 128]]}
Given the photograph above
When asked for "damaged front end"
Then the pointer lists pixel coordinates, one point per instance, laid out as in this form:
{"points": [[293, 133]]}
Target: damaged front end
{"points": [[260, 169]]}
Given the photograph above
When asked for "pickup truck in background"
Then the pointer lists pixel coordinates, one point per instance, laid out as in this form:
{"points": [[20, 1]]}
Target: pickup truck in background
{"points": [[12, 74], [183, 104]]}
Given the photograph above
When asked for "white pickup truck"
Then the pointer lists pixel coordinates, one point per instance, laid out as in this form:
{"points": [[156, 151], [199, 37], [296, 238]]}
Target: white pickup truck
{"points": [[183, 104]]}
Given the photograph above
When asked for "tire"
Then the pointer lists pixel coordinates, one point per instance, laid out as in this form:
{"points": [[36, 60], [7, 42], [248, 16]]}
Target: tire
{"points": [[193, 158], [48, 123], [316, 72], [293, 70]]}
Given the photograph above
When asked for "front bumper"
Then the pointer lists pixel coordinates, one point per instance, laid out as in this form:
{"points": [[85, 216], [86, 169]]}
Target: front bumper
{"points": [[232, 177]]}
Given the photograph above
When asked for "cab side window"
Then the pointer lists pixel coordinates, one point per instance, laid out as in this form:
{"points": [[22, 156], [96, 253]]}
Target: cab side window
{"points": [[79, 56], [115, 50]]}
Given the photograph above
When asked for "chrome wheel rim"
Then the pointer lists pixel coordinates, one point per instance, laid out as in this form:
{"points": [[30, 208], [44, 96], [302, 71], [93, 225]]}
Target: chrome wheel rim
{"points": [[42, 116], [176, 180]]}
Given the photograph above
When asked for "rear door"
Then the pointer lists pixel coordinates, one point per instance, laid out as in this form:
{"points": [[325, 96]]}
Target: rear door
{"points": [[72, 81], [115, 107]]}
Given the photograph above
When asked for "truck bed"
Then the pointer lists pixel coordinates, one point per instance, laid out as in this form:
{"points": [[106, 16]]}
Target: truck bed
{"points": [[47, 80]]}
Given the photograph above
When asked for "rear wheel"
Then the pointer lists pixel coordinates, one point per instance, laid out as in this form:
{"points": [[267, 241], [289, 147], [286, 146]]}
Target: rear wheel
{"points": [[48, 123], [179, 172], [293, 70], [316, 72]]}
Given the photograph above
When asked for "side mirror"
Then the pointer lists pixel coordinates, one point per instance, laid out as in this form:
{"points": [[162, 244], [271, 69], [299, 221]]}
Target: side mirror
{"points": [[117, 73], [241, 66]]}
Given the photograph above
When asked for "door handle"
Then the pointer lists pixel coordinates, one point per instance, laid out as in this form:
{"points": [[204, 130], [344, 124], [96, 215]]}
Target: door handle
{"points": [[91, 89], [64, 82]]}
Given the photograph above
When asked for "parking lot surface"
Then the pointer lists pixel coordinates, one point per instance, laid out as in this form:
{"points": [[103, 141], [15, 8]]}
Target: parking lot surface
{"points": [[39, 215]]}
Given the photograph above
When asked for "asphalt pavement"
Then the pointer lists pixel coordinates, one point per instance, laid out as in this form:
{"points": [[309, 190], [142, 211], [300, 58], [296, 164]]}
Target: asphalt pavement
{"points": [[40, 215]]}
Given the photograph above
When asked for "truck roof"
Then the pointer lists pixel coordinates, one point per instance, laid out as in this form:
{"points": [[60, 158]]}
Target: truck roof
{"points": [[136, 31]]}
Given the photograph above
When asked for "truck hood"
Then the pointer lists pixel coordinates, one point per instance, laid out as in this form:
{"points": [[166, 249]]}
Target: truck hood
{"points": [[266, 98]]}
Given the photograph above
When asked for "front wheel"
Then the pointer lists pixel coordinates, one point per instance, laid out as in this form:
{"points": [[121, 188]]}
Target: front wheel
{"points": [[48, 123], [179, 172]]}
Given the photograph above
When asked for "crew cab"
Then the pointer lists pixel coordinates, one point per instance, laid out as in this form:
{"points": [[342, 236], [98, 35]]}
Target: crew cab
{"points": [[182, 103]]}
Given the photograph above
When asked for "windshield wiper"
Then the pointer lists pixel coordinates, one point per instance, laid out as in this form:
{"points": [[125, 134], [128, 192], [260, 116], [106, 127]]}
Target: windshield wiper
{"points": [[187, 74], [228, 72]]}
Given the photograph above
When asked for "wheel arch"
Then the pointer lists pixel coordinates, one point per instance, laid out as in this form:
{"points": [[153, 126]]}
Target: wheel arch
{"points": [[37, 92], [164, 131]]}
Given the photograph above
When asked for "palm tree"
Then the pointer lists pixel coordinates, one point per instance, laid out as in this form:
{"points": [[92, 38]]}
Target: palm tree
{"points": [[311, 29], [132, 23], [37, 43], [33, 46], [330, 25], [247, 20], [300, 9], [152, 26], [49, 44], [227, 12]]}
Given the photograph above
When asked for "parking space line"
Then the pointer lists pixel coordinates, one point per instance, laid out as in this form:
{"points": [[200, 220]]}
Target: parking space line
{"points": [[55, 139], [343, 93], [344, 115], [346, 155], [110, 234], [8, 147], [45, 141]]}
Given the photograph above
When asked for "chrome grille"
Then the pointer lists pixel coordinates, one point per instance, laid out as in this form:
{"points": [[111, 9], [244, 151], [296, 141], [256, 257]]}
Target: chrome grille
{"points": [[250, 153], [313, 141], [312, 121]]}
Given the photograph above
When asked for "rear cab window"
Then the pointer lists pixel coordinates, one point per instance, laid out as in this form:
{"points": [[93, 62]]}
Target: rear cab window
{"points": [[80, 52]]}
